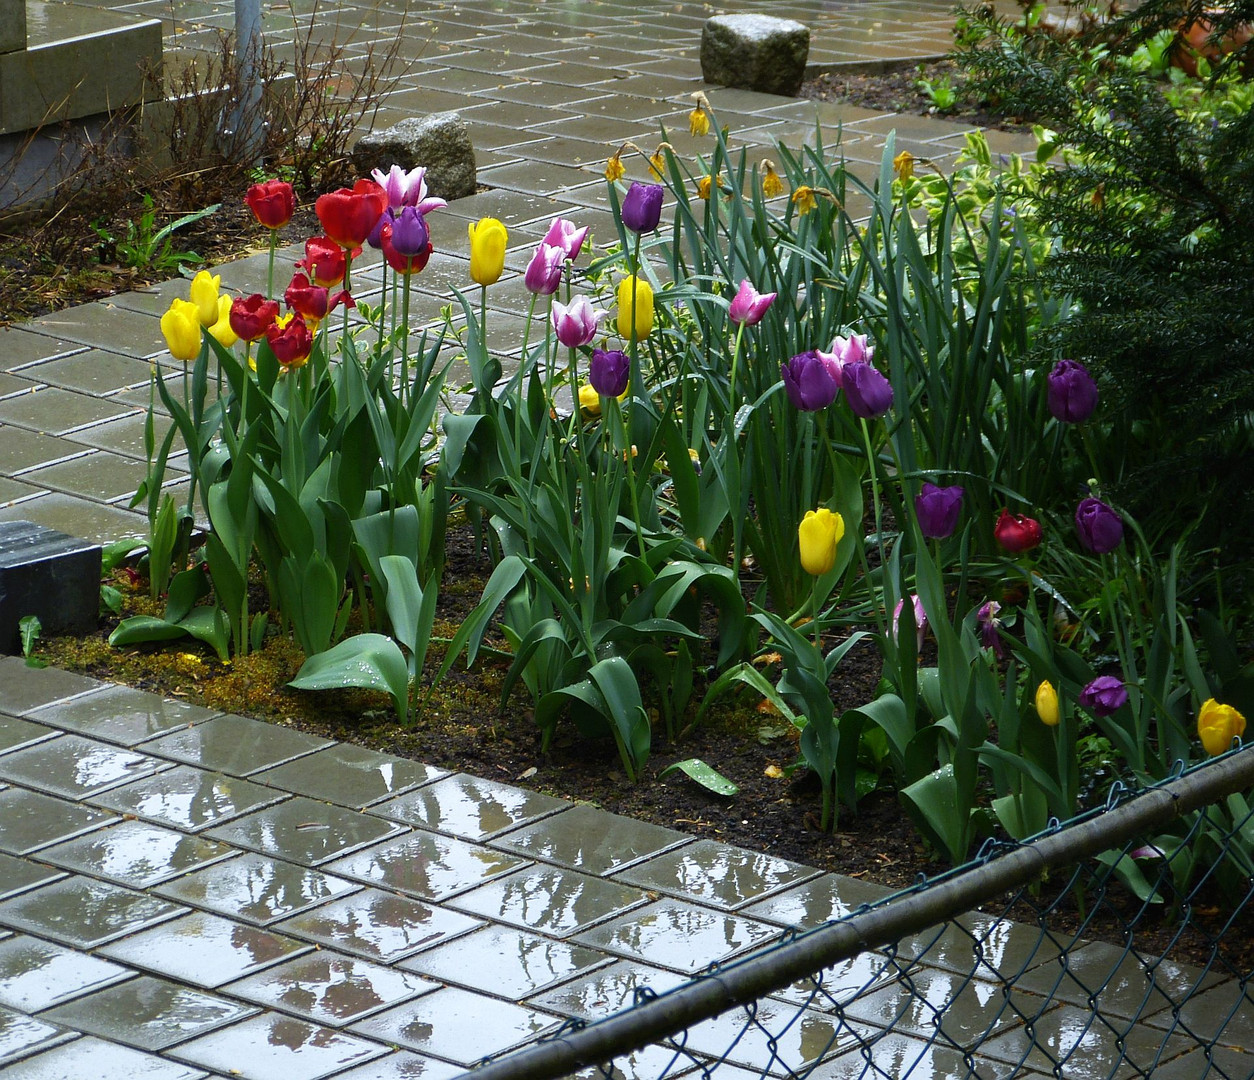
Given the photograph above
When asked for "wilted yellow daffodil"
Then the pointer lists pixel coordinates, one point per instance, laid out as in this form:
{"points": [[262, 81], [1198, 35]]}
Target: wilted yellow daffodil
{"points": [[614, 169], [1218, 725], [803, 199], [903, 166], [644, 307], [204, 294], [487, 250], [772, 185], [699, 118], [1047, 703], [180, 326], [819, 533], [703, 187], [657, 164]]}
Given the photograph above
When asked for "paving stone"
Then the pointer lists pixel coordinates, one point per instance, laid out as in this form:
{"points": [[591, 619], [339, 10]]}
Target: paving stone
{"points": [[15, 733], [18, 875], [457, 1025], [1003, 949], [204, 950], [468, 807], [21, 1035], [506, 961], [256, 888], [148, 1013], [77, 516], [304, 830], [718, 874], [236, 745], [74, 767], [23, 688], [549, 900], [35, 974], [189, 799], [378, 925], [584, 838], [122, 715], [832, 896], [607, 989], [676, 935], [270, 1046], [904, 1057], [349, 776], [83, 912], [328, 989], [135, 853], [29, 820], [89, 1058], [777, 1036], [403, 1065], [92, 371], [1224, 1013]]}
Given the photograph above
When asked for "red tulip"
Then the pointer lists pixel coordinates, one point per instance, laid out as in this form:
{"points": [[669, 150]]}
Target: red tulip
{"points": [[272, 202], [313, 303], [252, 316], [1017, 533], [349, 214], [324, 261], [291, 342]]}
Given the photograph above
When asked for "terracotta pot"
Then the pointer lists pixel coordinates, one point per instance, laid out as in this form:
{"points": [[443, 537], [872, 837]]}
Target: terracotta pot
{"points": [[1195, 41]]}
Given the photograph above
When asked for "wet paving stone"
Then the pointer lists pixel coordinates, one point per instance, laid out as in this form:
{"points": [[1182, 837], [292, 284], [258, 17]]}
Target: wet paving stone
{"points": [[18, 875], [840, 983], [469, 808], [349, 775], [30, 820], [590, 840], [189, 799], [271, 1046], [900, 1055], [148, 1013], [550, 900], [236, 745], [36, 974], [425, 865], [1004, 949], [121, 715], [305, 831], [506, 961], [21, 1035], [74, 767], [1224, 1013], [676, 935], [204, 950], [403, 1065], [457, 1025], [23, 688], [256, 888], [329, 989], [607, 989], [90, 1057], [378, 925], [15, 733], [83, 912], [832, 896], [717, 874], [135, 854]]}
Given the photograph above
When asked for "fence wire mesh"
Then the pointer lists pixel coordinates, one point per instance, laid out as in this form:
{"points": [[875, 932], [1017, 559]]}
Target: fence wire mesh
{"points": [[1118, 944]]}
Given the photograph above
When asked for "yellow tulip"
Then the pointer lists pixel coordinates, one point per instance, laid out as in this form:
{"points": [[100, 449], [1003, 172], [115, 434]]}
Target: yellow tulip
{"points": [[1047, 703], [204, 294], [1218, 725], [221, 330], [487, 250], [589, 400], [819, 533], [644, 307], [181, 327]]}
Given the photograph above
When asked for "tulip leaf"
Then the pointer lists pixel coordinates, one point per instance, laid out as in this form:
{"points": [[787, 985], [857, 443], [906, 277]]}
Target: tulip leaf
{"points": [[705, 775], [366, 660]]}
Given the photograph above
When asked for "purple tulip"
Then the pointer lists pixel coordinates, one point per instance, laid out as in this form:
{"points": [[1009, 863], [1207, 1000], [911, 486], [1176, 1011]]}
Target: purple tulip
{"points": [[937, 509], [410, 235], [544, 272], [869, 394], [1100, 529], [563, 234], [1072, 392], [642, 207], [988, 622], [809, 384], [749, 305], [576, 322], [1104, 695], [609, 372]]}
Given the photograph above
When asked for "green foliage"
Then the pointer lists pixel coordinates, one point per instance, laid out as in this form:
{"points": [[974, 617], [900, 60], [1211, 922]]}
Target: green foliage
{"points": [[147, 247], [29, 628]]}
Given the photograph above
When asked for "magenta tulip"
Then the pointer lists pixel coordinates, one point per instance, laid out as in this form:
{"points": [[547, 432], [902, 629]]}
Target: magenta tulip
{"points": [[544, 272], [749, 305], [563, 234]]}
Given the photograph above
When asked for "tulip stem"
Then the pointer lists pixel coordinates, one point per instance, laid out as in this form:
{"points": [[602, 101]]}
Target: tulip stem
{"points": [[875, 488], [405, 334], [631, 471], [814, 613], [731, 386], [274, 243]]}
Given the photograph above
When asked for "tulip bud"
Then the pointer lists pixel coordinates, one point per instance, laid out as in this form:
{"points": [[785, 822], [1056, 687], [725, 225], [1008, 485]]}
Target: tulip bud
{"points": [[180, 326], [749, 306], [1017, 533], [642, 207], [818, 534], [920, 620], [221, 330], [609, 372], [252, 315], [869, 394], [348, 215], [563, 234], [1218, 725], [291, 341], [544, 272], [487, 250], [204, 294], [1047, 703], [1072, 393], [575, 323], [272, 202], [1100, 529]]}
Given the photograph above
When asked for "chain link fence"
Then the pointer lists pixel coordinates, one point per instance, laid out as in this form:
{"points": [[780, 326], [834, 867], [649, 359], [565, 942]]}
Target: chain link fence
{"points": [[1118, 944]]}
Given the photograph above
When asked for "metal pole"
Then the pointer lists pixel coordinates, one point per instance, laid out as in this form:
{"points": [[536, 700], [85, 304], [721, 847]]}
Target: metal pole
{"points": [[244, 127]]}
